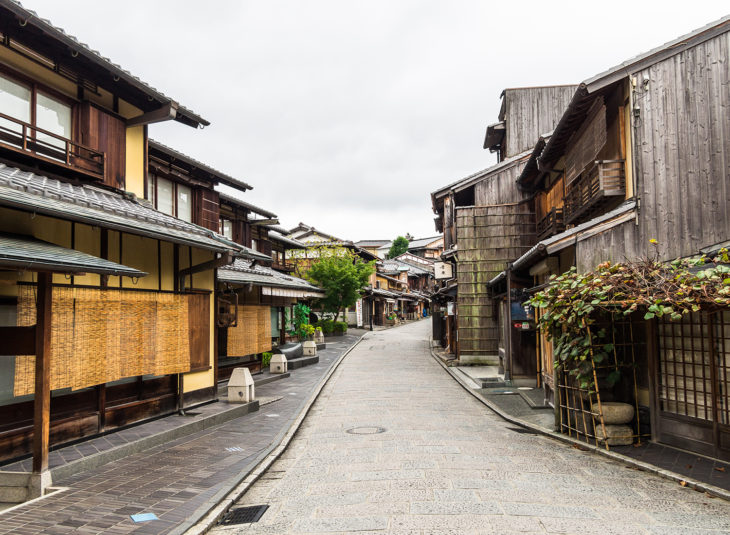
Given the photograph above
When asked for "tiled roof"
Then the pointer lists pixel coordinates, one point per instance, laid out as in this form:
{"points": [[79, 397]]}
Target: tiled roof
{"points": [[222, 177], [397, 265], [31, 17], [30, 254], [423, 242], [242, 272], [372, 243], [102, 208], [247, 205]]}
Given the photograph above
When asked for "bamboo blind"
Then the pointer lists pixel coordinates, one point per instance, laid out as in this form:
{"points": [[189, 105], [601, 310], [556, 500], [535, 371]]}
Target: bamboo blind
{"points": [[252, 334], [98, 336]]}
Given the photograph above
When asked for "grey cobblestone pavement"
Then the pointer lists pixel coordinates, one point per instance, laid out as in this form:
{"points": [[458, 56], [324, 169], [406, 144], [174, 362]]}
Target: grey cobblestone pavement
{"points": [[446, 464], [176, 479]]}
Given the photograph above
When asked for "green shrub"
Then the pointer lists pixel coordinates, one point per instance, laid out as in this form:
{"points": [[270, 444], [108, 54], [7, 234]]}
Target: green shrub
{"points": [[327, 326], [265, 359], [340, 327]]}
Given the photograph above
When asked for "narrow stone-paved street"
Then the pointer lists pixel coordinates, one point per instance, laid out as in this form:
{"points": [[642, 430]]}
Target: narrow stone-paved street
{"points": [[446, 464]]}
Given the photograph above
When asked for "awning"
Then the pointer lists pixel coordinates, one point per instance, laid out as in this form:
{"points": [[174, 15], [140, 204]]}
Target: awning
{"points": [[288, 292], [243, 273], [25, 253]]}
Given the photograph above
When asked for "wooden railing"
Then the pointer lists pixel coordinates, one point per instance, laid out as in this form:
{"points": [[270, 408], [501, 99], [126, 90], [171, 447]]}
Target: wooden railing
{"points": [[28, 139], [551, 224], [604, 181]]}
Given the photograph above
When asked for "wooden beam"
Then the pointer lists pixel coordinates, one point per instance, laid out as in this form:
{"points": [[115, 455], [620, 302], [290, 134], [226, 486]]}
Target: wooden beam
{"points": [[165, 112], [42, 401]]}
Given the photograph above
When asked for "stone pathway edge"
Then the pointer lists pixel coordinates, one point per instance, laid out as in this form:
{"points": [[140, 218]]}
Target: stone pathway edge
{"points": [[206, 516], [646, 467]]}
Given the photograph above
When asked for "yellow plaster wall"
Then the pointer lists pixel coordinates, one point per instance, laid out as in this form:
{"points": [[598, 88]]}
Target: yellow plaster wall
{"points": [[88, 240], [113, 239], [135, 161], [38, 72], [63, 85], [44, 228], [167, 257], [140, 253]]}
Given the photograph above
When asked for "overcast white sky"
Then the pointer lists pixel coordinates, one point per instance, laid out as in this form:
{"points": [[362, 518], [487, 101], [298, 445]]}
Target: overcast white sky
{"points": [[346, 114]]}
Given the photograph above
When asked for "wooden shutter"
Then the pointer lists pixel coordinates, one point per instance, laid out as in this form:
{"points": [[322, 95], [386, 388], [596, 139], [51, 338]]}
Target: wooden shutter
{"points": [[587, 142], [199, 325], [206, 209], [108, 134]]}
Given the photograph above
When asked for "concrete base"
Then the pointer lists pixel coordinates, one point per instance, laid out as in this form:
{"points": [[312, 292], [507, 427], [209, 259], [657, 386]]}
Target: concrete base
{"points": [[301, 362], [481, 360], [19, 487], [38, 484]]}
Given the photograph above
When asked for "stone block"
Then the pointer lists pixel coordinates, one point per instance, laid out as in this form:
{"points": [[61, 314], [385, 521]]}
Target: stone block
{"points": [[241, 387], [615, 412], [309, 348], [279, 363], [618, 435]]}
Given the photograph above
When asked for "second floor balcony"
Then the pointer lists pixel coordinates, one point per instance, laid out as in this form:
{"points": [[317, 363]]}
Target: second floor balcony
{"points": [[553, 223], [50, 150], [602, 183]]}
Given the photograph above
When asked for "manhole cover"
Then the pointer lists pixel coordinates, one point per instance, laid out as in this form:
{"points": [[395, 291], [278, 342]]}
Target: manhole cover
{"points": [[367, 430], [244, 515]]}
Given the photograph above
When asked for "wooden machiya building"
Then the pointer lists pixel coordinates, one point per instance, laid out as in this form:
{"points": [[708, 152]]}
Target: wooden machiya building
{"points": [[640, 154], [106, 306], [487, 221], [255, 297]]}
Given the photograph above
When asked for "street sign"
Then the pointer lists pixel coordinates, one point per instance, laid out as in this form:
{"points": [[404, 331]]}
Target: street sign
{"points": [[443, 270]]}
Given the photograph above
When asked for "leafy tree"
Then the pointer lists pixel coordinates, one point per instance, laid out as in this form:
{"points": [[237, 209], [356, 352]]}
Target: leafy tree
{"points": [[341, 274], [399, 246]]}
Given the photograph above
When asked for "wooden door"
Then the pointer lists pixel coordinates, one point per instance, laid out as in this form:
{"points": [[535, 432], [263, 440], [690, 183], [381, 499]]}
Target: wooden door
{"points": [[693, 383]]}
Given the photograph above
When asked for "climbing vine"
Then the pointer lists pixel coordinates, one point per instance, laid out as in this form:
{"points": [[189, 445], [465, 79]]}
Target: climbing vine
{"points": [[573, 302]]}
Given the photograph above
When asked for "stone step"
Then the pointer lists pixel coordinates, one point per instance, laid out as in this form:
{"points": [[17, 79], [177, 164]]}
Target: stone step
{"points": [[491, 382], [13, 494], [14, 479], [269, 378]]}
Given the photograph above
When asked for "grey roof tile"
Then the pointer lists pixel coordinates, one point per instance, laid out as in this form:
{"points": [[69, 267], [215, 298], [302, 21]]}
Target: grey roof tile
{"points": [[106, 209], [243, 272], [30, 254]]}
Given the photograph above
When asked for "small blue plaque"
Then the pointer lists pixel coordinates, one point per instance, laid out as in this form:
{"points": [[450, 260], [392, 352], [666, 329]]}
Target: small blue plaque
{"points": [[143, 517]]}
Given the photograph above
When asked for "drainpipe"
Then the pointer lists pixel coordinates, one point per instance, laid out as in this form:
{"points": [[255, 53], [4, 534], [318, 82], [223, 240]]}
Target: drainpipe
{"points": [[508, 334]]}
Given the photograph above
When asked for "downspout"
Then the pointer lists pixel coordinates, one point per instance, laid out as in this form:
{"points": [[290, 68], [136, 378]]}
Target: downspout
{"points": [[508, 334]]}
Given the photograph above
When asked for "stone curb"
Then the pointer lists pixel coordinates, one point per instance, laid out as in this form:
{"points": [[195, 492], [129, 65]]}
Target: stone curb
{"points": [[123, 450], [646, 467], [206, 516]]}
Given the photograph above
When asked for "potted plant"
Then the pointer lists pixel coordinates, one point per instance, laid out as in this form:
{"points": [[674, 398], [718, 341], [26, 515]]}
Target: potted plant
{"points": [[306, 332]]}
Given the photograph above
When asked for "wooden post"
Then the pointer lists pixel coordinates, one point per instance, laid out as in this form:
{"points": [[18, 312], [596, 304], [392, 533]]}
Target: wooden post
{"points": [[42, 401]]}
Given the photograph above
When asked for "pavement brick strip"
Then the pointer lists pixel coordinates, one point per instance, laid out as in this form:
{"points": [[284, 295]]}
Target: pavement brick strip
{"points": [[178, 480], [423, 456]]}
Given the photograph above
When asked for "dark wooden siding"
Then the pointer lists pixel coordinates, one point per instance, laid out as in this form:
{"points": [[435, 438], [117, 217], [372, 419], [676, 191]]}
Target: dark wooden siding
{"points": [[530, 112], [682, 148], [107, 133], [488, 238]]}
